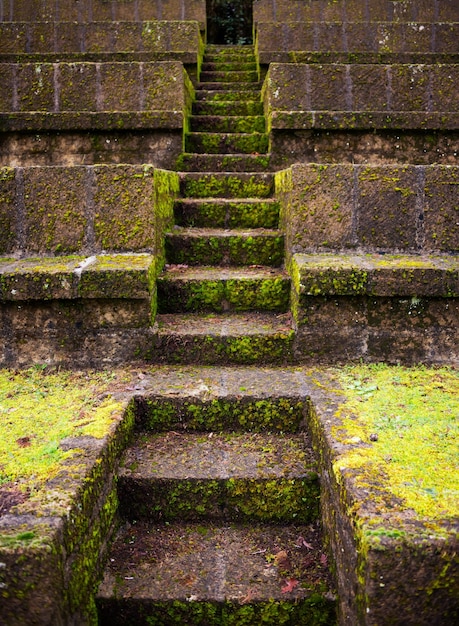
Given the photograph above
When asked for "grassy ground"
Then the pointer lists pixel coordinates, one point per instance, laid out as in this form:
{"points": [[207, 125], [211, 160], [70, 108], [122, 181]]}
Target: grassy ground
{"points": [[37, 411], [408, 421]]}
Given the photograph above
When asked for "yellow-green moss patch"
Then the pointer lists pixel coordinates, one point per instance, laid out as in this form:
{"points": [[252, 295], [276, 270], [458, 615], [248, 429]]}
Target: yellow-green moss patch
{"points": [[39, 409], [401, 426]]}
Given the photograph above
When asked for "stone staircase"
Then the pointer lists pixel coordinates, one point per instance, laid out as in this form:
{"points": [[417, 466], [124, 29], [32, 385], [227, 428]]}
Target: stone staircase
{"points": [[224, 296], [221, 511]]}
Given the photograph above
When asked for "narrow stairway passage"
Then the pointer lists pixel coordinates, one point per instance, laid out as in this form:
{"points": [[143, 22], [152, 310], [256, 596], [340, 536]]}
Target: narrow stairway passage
{"points": [[224, 296]]}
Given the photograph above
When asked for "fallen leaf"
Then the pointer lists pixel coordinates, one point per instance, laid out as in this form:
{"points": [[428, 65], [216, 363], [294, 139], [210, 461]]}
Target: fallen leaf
{"points": [[23, 442], [302, 543], [290, 585], [323, 560], [282, 560]]}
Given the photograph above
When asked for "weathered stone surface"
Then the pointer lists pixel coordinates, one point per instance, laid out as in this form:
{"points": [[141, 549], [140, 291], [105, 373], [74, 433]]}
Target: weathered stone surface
{"points": [[388, 208], [376, 208], [55, 215], [8, 201], [101, 10], [319, 209], [118, 190]]}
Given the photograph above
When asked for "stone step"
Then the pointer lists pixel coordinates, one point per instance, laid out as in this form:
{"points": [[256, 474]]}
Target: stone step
{"points": [[225, 65], [227, 213], [229, 85], [227, 143], [229, 339], [223, 399], [227, 123], [196, 162], [226, 185], [227, 108], [184, 289], [224, 247], [238, 477], [213, 575], [229, 95], [229, 76]]}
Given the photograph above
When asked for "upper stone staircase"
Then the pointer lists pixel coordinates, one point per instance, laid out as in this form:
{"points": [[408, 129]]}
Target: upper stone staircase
{"points": [[224, 295]]}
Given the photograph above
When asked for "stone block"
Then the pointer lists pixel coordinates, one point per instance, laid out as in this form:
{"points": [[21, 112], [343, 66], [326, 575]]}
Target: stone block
{"points": [[361, 37], [41, 37], [441, 208], [123, 207], [416, 37], [448, 11], [7, 80], [446, 37], [117, 276], [68, 37], [369, 87], [387, 207], [8, 207], [331, 330], [331, 37], [126, 37], [445, 96], [39, 279], [163, 86], [328, 88], [124, 10], [13, 38], [35, 86], [120, 87], [410, 87], [98, 37], [183, 37], [55, 215], [78, 87], [413, 276], [102, 11], [320, 211]]}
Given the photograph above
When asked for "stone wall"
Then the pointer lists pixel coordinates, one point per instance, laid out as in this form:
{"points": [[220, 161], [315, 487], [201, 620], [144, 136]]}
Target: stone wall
{"points": [[74, 113], [101, 10], [152, 40], [355, 10], [409, 209], [93, 208], [405, 42]]}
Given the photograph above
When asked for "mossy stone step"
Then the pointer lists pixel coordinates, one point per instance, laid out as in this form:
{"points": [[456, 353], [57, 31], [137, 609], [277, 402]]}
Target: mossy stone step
{"points": [[235, 339], [223, 399], [227, 108], [184, 289], [229, 85], [217, 576], [229, 76], [227, 123], [212, 246], [196, 162], [226, 185], [237, 476], [227, 95], [227, 213], [227, 143], [243, 65]]}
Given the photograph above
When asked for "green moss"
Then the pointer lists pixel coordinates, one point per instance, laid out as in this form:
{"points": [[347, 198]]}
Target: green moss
{"points": [[38, 410], [412, 411], [275, 415]]}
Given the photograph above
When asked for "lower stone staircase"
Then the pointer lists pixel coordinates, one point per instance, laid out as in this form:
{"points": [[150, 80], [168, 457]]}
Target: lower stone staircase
{"points": [[219, 492], [224, 296]]}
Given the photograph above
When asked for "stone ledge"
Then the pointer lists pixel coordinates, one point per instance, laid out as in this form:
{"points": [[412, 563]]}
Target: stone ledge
{"points": [[363, 120], [90, 120], [375, 275], [63, 278]]}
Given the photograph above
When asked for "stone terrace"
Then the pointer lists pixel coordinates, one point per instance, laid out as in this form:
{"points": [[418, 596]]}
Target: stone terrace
{"points": [[284, 205]]}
